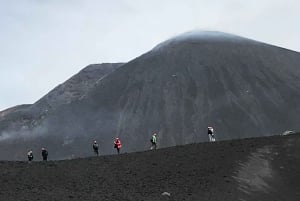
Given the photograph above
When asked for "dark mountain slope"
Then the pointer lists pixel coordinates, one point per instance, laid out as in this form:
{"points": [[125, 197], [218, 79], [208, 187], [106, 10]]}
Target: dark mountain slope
{"points": [[261, 169], [77, 86], [243, 88], [239, 86], [13, 109]]}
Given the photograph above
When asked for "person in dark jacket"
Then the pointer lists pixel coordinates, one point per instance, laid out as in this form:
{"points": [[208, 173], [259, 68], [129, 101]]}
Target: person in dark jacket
{"points": [[96, 148], [118, 145], [211, 134], [30, 155], [44, 154]]}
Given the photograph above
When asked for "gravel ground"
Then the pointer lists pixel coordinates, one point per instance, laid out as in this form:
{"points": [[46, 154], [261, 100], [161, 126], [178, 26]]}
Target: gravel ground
{"points": [[260, 169]]}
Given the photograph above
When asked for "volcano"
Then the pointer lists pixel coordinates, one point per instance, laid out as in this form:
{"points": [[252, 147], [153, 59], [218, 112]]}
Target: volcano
{"points": [[241, 87]]}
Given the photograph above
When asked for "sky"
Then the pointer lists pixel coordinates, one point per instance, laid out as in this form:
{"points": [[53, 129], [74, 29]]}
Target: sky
{"points": [[45, 42]]}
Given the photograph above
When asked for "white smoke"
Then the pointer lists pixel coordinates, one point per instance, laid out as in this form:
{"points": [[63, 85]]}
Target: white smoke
{"points": [[5, 136], [199, 35], [24, 133]]}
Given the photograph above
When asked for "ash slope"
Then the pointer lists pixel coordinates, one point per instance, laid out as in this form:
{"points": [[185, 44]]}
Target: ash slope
{"points": [[242, 87], [251, 169], [77, 86]]}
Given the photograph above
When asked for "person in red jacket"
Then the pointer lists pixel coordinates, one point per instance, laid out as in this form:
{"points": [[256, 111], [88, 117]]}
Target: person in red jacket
{"points": [[118, 144]]}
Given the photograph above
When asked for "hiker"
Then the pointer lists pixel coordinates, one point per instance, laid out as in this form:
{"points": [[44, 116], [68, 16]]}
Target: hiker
{"points": [[211, 135], [118, 144], [30, 155], [44, 154], [153, 141], [96, 148]]}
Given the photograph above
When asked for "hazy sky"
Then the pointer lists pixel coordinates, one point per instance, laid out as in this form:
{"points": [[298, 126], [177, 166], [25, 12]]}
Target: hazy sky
{"points": [[44, 42]]}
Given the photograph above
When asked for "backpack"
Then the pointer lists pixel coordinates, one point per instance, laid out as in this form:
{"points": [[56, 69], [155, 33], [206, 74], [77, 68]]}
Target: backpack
{"points": [[30, 155]]}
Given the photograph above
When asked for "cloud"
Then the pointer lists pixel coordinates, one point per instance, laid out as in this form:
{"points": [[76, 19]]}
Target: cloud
{"points": [[43, 43]]}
